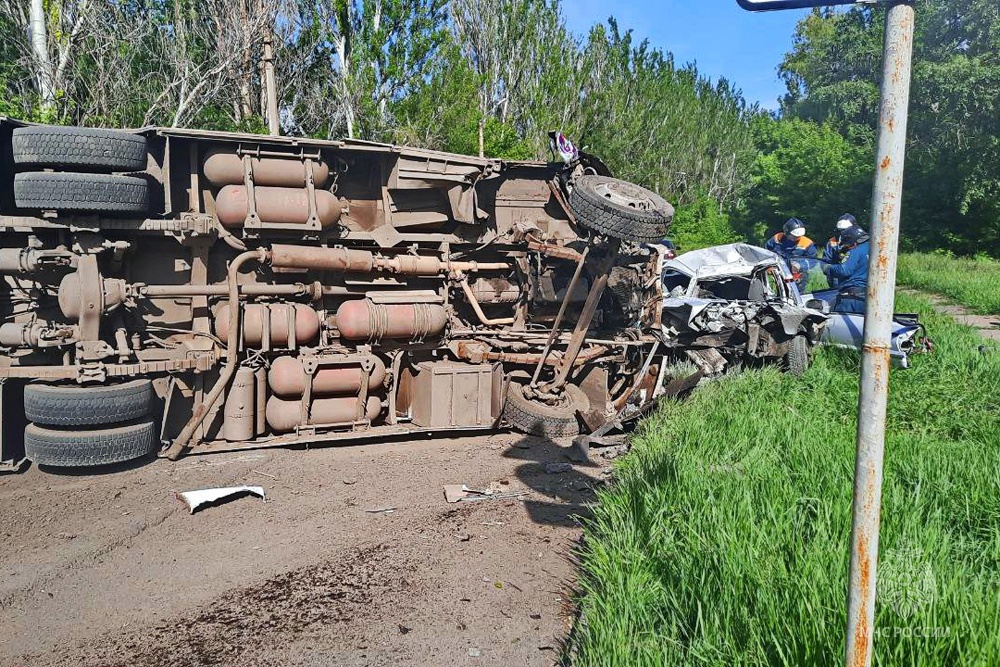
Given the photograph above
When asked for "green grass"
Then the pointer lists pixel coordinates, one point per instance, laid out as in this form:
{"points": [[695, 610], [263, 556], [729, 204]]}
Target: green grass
{"points": [[725, 539], [974, 283]]}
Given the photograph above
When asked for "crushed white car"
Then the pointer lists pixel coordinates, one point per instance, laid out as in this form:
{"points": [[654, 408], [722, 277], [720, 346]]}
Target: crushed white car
{"points": [[737, 304]]}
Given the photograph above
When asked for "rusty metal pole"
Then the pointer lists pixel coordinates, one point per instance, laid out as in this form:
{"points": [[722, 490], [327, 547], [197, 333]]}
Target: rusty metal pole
{"points": [[886, 202]]}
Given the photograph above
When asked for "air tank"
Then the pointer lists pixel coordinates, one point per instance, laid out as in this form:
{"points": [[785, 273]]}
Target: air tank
{"points": [[238, 415], [284, 415], [278, 316], [275, 205], [362, 319], [287, 378], [222, 167]]}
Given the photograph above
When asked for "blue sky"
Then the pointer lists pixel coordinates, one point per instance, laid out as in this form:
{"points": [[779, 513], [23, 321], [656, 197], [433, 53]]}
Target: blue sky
{"points": [[721, 38]]}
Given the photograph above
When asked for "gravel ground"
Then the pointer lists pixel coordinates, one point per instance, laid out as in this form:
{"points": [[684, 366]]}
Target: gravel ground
{"points": [[112, 569]]}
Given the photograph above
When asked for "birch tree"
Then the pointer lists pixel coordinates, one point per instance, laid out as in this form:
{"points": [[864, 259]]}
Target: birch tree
{"points": [[502, 42], [374, 52]]}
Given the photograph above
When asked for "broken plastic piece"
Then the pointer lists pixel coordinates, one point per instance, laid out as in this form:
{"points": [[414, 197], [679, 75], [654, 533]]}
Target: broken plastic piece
{"points": [[196, 499]]}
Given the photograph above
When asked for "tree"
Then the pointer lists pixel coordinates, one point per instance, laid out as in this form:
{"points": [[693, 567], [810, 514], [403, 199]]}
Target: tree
{"points": [[503, 42], [952, 188], [369, 53], [804, 170]]}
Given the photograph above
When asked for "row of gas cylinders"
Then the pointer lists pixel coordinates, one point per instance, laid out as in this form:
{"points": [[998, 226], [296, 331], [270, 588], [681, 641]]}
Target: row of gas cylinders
{"points": [[279, 189], [274, 397], [289, 325]]}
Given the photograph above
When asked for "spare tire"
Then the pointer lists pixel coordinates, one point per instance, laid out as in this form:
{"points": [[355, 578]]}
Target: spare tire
{"points": [[81, 147], [73, 405], [100, 447], [81, 192], [620, 209], [537, 418]]}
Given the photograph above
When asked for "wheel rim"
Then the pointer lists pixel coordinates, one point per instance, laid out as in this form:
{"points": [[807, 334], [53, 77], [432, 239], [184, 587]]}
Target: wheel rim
{"points": [[626, 195]]}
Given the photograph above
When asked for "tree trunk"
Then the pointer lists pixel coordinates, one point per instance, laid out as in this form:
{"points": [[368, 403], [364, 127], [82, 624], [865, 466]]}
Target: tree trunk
{"points": [[482, 127], [246, 95], [39, 43]]}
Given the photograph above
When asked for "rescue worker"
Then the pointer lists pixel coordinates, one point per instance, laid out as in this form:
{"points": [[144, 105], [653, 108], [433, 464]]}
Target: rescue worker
{"points": [[851, 271], [797, 249], [831, 252]]}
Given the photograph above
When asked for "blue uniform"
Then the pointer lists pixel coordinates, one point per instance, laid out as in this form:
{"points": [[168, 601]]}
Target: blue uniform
{"points": [[830, 256], [794, 249], [852, 279]]}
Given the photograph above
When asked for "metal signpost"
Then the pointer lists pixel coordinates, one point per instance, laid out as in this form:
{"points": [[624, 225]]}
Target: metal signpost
{"points": [[886, 202]]}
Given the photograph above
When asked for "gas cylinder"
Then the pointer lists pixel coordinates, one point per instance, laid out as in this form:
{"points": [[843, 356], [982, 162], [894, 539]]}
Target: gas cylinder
{"points": [[284, 415], [362, 319], [303, 320], [222, 167], [287, 377], [275, 205], [238, 415]]}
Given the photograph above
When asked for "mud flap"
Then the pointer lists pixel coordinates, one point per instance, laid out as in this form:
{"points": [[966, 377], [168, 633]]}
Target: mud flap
{"points": [[12, 424]]}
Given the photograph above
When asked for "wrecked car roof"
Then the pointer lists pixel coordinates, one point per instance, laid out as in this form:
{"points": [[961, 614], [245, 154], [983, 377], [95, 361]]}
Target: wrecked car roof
{"points": [[734, 259]]}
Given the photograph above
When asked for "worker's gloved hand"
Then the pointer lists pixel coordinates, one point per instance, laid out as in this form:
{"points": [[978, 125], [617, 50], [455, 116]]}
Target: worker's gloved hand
{"points": [[836, 257]]}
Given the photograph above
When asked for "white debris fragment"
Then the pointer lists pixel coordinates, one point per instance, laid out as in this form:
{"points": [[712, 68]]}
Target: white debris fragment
{"points": [[195, 499]]}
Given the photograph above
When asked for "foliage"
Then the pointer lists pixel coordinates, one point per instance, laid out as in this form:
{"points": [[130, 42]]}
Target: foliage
{"points": [[662, 125], [444, 114], [974, 283], [701, 224], [725, 539], [807, 171], [952, 188], [469, 76]]}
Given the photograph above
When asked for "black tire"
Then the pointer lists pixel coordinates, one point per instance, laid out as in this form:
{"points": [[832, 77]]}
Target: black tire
{"points": [[620, 209], [550, 421], [81, 147], [797, 358], [61, 405], [99, 447], [81, 192]]}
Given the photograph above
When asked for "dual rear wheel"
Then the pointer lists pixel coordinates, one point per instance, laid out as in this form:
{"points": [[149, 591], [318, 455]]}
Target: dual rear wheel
{"points": [[75, 426], [83, 158]]}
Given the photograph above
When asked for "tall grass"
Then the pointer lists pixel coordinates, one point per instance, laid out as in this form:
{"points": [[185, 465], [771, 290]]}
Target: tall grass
{"points": [[974, 283], [725, 540]]}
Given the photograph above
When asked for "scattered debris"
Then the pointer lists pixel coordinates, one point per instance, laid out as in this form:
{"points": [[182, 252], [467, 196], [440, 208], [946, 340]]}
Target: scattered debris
{"points": [[454, 493], [403, 630], [381, 510], [200, 497], [612, 453], [553, 468], [474, 653], [265, 474], [465, 537], [350, 481]]}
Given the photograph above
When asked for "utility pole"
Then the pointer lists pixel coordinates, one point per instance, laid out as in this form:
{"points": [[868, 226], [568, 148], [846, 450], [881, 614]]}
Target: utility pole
{"points": [[887, 198]]}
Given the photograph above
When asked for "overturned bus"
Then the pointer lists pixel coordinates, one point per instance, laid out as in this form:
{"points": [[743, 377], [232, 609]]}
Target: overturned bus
{"points": [[166, 290]]}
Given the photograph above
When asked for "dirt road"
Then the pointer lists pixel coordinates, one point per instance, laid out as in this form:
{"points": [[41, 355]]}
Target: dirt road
{"points": [[112, 570]]}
